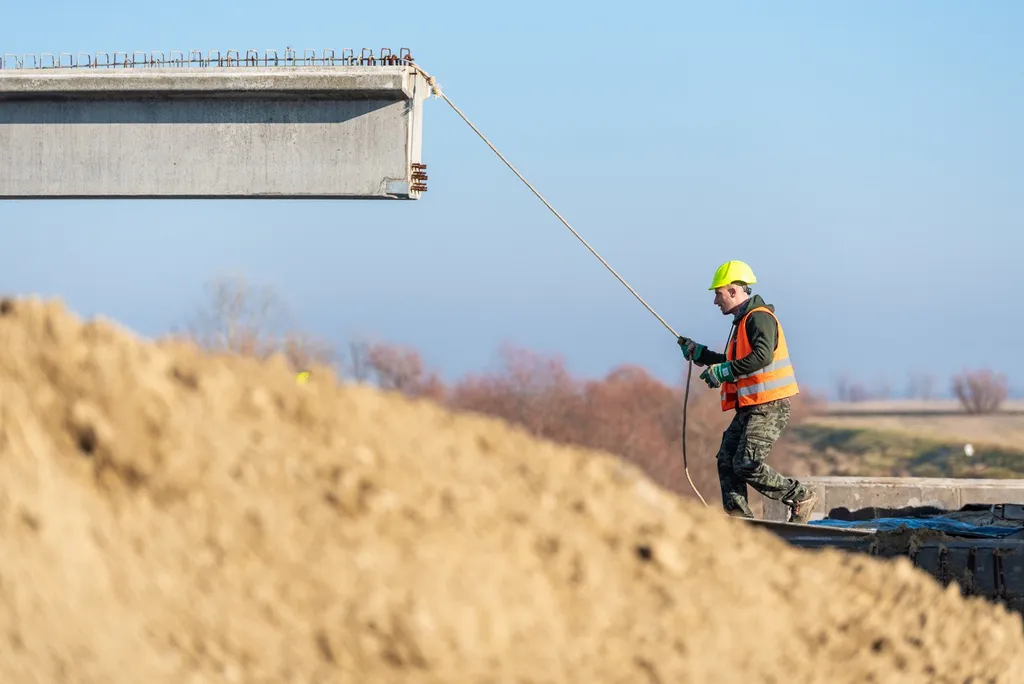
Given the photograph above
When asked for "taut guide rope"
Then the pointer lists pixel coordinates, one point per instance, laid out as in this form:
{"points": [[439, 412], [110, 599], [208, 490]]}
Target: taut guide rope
{"points": [[436, 90]]}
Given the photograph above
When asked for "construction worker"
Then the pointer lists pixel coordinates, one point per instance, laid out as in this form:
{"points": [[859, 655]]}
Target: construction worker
{"points": [[756, 379]]}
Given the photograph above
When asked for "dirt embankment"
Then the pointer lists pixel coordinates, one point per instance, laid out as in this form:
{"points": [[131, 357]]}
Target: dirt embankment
{"points": [[170, 517]]}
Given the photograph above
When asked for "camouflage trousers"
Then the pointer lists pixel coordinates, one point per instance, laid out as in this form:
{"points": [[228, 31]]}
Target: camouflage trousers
{"points": [[746, 444]]}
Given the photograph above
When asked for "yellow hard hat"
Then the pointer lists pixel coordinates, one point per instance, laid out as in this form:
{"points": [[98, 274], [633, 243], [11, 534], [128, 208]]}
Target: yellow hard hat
{"points": [[731, 272]]}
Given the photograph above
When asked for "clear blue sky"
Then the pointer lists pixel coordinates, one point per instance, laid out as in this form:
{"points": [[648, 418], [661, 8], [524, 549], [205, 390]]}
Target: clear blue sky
{"points": [[866, 158]]}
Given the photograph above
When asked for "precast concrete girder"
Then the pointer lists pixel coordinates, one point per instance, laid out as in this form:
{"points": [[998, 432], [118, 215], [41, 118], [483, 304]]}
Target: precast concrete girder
{"points": [[210, 126]]}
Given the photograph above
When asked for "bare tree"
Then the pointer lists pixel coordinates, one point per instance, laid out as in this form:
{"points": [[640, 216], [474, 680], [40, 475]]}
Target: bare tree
{"points": [[238, 318], [401, 369], [980, 391], [921, 385], [849, 390], [304, 351], [843, 383], [358, 364]]}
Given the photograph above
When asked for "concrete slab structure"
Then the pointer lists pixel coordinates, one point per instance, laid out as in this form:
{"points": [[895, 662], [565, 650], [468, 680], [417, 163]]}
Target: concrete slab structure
{"points": [[895, 492], [212, 127]]}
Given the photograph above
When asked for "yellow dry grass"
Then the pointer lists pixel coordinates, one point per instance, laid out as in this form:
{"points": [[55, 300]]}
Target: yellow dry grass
{"points": [[939, 421]]}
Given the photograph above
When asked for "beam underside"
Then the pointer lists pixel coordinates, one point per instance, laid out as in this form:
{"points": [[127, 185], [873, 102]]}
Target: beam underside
{"points": [[200, 146]]}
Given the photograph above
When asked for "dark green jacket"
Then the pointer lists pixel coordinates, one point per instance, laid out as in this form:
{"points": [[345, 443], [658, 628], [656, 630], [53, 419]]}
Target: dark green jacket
{"points": [[763, 333]]}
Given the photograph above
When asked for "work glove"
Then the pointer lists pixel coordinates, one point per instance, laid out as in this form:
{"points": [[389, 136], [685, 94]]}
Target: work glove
{"points": [[715, 375], [691, 349]]}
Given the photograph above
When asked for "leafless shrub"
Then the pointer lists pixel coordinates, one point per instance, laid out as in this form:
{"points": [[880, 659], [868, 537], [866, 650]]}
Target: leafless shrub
{"points": [[357, 363], [849, 390], [921, 385], [980, 391], [238, 318], [401, 369]]}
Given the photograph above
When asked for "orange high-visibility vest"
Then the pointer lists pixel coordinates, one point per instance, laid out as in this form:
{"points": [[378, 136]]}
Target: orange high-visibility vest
{"points": [[774, 381]]}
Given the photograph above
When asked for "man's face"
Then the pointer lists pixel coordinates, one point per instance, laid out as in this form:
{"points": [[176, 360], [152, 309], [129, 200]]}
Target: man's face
{"points": [[726, 298]]}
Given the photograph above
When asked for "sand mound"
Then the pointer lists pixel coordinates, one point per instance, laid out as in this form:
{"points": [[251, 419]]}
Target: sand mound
{"points": [[169, 517]]}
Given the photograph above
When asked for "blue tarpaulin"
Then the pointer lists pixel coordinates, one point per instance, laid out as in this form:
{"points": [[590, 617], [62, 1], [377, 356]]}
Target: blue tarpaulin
{"points": [[947, 525]]}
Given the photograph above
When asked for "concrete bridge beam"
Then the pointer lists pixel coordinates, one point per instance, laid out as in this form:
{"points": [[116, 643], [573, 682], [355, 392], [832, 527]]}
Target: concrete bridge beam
{"points": [[305, 130]]}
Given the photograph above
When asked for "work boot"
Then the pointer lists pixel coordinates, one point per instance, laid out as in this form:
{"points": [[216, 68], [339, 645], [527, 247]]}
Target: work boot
{"points": [[800, 511]]}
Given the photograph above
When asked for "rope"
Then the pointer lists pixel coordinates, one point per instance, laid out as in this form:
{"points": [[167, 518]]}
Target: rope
{"points": [[436, 90], [686, 400]]}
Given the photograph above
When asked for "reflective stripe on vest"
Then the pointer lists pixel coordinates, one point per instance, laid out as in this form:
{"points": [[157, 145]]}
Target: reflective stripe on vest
{"points": [[765, 386], [774, 381]]}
